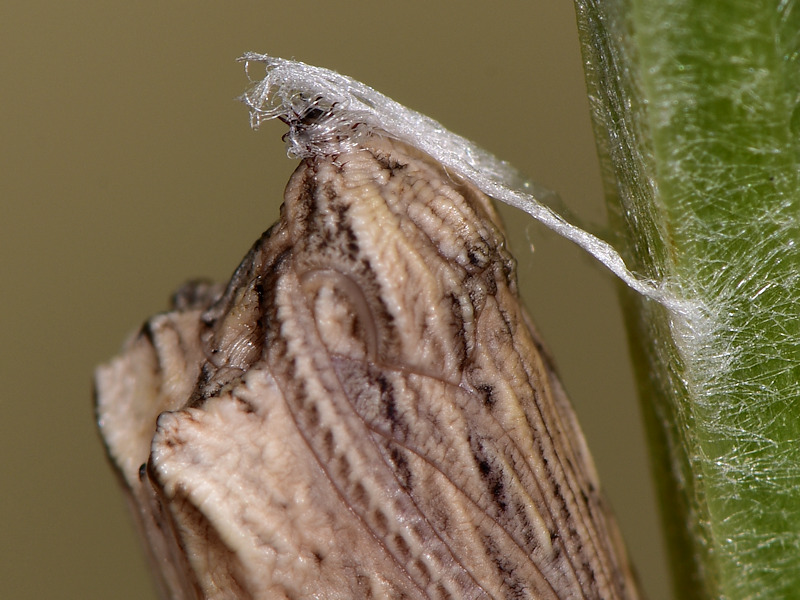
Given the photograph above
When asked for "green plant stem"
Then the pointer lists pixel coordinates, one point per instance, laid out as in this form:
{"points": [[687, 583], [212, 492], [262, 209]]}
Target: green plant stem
{"points": [[695, 105]]}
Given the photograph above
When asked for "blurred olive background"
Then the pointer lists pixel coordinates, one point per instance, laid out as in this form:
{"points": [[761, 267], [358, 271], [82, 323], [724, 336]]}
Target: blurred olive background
{"points": [[128, 167]]}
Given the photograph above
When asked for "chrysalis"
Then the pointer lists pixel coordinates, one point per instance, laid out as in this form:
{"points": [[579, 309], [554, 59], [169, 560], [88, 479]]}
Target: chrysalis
{"points": [[365, 410]]}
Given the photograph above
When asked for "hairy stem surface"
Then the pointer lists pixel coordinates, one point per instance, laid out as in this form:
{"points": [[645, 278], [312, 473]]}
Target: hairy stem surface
{"points": [[695, 104]]}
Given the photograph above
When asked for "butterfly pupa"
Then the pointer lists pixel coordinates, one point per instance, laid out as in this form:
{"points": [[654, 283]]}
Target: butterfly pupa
{"points": [[365, 410]]}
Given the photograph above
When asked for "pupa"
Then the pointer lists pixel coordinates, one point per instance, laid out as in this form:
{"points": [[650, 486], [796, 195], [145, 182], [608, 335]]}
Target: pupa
{"points": [[365, 410]]}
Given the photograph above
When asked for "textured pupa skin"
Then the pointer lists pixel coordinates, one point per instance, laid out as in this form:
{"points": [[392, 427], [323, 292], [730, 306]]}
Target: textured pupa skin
{"points": [[365, 411]]}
